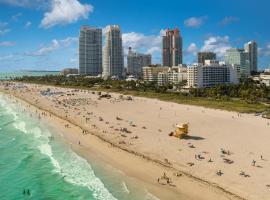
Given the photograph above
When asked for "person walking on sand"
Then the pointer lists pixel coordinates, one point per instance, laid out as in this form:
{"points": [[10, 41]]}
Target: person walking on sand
{"points": [[253, 163]]}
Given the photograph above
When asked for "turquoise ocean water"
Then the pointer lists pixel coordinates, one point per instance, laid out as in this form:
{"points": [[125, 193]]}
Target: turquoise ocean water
{"points": [[31, 160], [8, 75]]}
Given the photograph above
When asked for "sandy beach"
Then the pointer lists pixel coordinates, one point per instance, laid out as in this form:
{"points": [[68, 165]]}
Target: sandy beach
{"points": [[226, 155]]}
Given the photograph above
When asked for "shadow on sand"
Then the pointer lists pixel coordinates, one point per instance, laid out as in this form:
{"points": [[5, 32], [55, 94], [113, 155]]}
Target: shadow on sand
{"points": [[190, 137]]}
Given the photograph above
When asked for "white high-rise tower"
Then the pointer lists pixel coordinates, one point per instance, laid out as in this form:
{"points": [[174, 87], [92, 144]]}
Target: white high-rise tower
{"points": [[113, 59], [252, 50]]}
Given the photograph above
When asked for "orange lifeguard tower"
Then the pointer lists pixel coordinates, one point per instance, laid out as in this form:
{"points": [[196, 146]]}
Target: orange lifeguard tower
{"points": [[181, 130]]}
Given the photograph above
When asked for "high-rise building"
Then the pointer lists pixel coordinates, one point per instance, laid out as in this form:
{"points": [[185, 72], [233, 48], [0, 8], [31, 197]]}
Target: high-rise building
{"points": [[90, 51], [238, 57], [172, 53], [113, 59], [252, 50], [211, 74], [203, 56], [136, 61]]}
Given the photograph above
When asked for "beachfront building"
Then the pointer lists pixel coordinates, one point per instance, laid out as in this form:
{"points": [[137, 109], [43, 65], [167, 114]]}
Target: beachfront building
{"points": [[113, 59], [203, 56], [150, 73], [165, 75], [267, 70], [69, 71], [136, 61], [263, 78], [211, 74], [172, 51], [240, 58], [251, 49], [90, 51]]}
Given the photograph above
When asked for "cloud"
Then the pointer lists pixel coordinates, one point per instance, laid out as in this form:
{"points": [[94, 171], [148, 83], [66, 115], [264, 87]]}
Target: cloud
{"points": [[4, 31], [192, 49], [25, 3], [139, 41], [55, 45], [7, 44], [45, 50], [6, 57], [264, 51], [74, 60], [68, 41], [195, 22], [217, 44], [27, 24], [65, 12], [16, 17], [229, 20], [3, 24], [3, 28]]}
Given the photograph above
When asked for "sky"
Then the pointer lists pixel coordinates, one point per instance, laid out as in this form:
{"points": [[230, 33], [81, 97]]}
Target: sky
{"points": [[43, 34]]}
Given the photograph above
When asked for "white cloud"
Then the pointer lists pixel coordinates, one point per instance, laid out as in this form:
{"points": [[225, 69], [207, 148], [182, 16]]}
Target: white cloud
{"points": [[7, 44], [192, 49], [55, 45], [6, 57], [146, 43], [16, 17], [27, 24], [65, 12], [3, 24], [4, 31], [68, 41], [195, 22], [264, 51], [25, 3], [45, 50], [217, 44], [74, 60], [229, 20]]}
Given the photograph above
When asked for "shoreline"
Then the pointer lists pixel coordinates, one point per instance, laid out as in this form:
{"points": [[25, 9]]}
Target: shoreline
{"points": [[144, 159]]}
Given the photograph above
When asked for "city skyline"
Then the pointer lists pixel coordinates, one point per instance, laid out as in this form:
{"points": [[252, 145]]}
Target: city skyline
{"points": [[39, 38]]}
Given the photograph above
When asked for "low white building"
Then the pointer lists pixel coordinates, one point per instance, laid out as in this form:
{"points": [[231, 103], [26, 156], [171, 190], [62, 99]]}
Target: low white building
{"points": [[68, 71], [263, 78], [267, 70], [150, 73], [211, 74], [165, 75]]}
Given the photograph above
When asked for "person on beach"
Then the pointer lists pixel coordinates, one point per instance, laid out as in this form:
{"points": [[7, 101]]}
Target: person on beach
{"points": [[253, 163]]}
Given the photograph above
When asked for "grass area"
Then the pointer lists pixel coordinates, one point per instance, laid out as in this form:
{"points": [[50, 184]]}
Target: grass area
{"points": [[229, 105]]}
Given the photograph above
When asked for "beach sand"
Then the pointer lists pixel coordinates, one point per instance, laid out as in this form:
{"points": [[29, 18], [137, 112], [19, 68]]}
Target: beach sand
{"points": [[132, 135]]}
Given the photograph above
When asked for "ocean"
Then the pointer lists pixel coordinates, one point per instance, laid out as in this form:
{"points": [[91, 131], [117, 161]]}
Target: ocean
{"points": [[8, 75], [35, 163]]}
